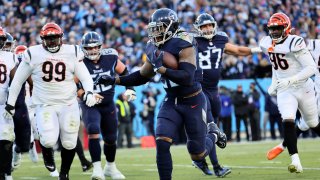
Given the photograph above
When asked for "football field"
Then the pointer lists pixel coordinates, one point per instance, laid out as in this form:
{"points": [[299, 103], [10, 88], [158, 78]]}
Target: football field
{"points": [[247, 161]]}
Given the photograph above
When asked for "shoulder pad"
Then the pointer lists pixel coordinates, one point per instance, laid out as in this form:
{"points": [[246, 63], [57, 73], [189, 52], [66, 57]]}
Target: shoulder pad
{"points": [[109, 51], [297, 43], [184, 36], [221, 33]]}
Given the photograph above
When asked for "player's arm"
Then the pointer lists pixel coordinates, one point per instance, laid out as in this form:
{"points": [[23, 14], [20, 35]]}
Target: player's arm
{"points": [[122, 70], [236, 50], [309, 66], [30, 82], [137, 78], [187, 66], [20, 76]]}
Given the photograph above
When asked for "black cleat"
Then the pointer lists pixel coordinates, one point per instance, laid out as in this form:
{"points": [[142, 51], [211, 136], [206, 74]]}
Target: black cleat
{"points": [[203, 166], [86, 165], [221, 137], [63, 176], [221, 171], [48, 159]]}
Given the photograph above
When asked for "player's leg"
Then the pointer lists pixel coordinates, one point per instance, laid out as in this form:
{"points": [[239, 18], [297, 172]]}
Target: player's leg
{"points": [[69, 122], [7, 137], [288, 105], [109, 124], [168, 123], [92, 120], [86, 165], [34, 136], [48, 129], [22, 130]]}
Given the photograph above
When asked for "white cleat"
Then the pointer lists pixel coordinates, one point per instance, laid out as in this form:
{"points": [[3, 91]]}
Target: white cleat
{"points": [[295, 167], [111, 170], [8, 177], [33, 154], [97, 173], [16, 159], [54, 173]]}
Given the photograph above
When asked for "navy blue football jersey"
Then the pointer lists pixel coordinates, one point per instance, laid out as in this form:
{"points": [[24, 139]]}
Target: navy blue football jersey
{"points": [[179, 42], [105, 66], [210, 57]]}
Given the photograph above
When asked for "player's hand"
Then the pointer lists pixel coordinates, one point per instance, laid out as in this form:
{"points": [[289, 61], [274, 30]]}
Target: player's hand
{"points": [[89, 98], [98, 97], [8, 112], [105, 80], [285, 82], [130, 94], [155, 57]]}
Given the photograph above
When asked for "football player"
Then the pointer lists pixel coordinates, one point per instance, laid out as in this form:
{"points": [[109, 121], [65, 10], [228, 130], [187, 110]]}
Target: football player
{"points": [[7, 135], [9, 44], [24, 138], [185, 103], [102, 118], [52, 66], [293, 66], [314, 48], [211, 46]]}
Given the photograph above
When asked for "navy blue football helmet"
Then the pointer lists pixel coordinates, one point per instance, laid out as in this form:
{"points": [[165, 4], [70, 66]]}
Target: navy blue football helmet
{"points": [[204, 19], [91, 45], [163, 24]]}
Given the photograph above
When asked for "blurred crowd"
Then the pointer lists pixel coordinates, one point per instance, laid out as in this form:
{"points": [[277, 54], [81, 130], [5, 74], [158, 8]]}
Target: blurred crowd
{"points": [[122, 24]]}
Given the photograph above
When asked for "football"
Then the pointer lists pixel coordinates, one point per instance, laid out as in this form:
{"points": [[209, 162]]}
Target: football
{"points": [[169, 60]]}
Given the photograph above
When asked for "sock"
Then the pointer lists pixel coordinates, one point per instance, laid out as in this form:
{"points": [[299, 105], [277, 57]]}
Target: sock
{"points": [[213, 156], [79, 151], [164, 160], [97, 164], [298, 132], [95, 149], [110, 151], [290, 137], [66, 160], [210, 143], [5, 156], [295, 157], [316, 129], [48, 157]]}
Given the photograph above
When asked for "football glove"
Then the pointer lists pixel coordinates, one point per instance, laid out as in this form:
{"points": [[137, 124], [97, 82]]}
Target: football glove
{"points": [[105, 80], [285, 82], [130, 94], [89, 98], [272, 90], [8, 111]]}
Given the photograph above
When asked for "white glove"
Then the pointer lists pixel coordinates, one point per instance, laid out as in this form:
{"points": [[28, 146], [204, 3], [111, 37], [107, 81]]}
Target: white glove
{"points": [[272, 90], [130, 94], [256, 50], [89, 98], [285, 82]]}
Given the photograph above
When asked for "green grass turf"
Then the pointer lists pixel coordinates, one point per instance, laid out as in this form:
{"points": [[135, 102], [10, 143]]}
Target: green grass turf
{"points": [[247, 161]]}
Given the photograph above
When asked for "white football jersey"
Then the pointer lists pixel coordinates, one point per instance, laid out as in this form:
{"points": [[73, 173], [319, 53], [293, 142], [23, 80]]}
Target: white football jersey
{"points": [[53, 74], [314, 48], [6, 65], [282, 56]]}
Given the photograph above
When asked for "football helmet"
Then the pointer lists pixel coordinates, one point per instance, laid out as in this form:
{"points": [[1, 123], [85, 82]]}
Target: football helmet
{"points": [[204, 19], [3, 37], [91, 44], [163, 24], [51, 35], [18, 51], [9, 44], [279, 26]]}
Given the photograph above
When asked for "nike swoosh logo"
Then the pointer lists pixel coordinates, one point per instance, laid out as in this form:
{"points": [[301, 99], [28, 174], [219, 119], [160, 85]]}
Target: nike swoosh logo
{"points": [[50, 167], [194, 106]]}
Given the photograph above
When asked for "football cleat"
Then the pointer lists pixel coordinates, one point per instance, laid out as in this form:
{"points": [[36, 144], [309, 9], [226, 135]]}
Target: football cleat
{"points": [[203, 166], [295, 167], [86, 165], [221, 171], [54, 173], [221, 137], [274, 152], [33, 154], [111, 170], [97, 173], [63, 177], [16, 159], [8, 177]]}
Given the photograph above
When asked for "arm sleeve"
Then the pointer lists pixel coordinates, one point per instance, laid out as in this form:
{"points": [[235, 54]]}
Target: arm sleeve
{"points": [[306, 59], [23, 72], [84, 76], [184, 76], [133, 79], [124, 73]]}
